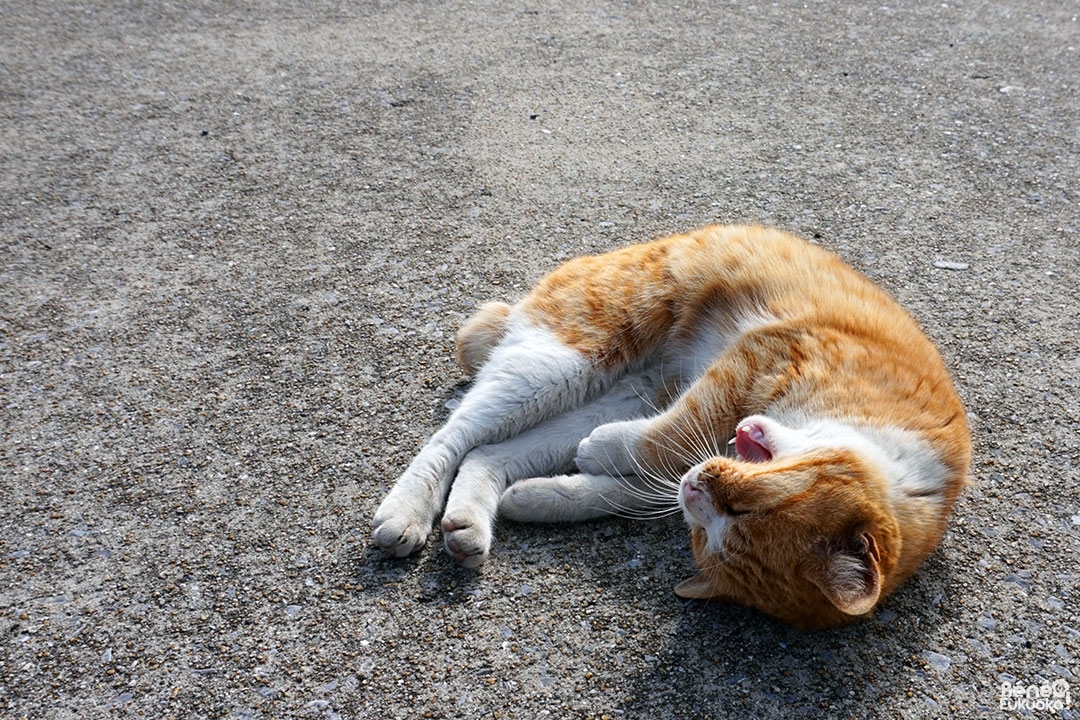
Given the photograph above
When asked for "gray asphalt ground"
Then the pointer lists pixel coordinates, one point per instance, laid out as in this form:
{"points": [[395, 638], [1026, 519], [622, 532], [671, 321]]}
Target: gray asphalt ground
{"points": [[237, 240]]}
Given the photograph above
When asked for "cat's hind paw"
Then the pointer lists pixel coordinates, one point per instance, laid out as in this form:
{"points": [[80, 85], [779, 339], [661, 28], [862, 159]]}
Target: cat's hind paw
{"points": [[399, 529], [466, 539]]}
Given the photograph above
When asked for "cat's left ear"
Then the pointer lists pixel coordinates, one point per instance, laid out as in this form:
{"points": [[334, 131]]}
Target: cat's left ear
{"points": [[695, 588], [849, 573]]}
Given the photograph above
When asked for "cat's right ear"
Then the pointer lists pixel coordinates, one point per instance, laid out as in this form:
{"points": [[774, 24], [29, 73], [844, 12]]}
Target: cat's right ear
{"points": [[696, 588], [849, 574]]}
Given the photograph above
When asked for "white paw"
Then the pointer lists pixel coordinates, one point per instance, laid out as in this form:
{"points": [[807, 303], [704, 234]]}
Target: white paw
{"points": [[607, 451], [467, 538], [401, 528], [524, 501], [564, 498]]}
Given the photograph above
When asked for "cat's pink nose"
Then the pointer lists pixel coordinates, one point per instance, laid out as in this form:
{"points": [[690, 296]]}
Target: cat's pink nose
{"points": [[691, 491], [695, 502]]}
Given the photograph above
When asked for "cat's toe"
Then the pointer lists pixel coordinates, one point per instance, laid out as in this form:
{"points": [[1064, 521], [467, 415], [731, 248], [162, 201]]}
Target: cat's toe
{"points": [[608, 450], [532, 500], [586, 459], [602, 454], [467, 541], [399, 539]]}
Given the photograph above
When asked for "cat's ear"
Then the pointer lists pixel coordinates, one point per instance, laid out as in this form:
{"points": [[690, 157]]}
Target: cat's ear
{"points": [[849, 573], [695, 588]]}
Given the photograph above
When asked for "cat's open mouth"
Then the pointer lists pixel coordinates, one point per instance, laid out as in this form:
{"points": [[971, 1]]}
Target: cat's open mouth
{"points": [[751, 444]]}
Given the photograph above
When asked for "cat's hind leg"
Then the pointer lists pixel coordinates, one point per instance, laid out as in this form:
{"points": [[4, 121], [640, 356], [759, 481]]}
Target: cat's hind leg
{"points": [[471, 507], [547, 448], [528, 377]]}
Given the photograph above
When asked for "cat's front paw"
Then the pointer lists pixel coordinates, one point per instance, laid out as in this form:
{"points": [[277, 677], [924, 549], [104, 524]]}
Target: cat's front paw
{"points": [[591, 457], [608, 450], [466, 538], [565, 498], [400, 528]]}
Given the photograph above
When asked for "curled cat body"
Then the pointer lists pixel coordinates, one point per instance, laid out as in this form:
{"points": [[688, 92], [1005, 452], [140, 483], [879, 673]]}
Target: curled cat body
{"points": [[797, 417]]}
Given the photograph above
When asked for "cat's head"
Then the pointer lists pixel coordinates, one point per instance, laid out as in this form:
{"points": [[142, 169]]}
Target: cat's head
{"points": [[800, 530]]}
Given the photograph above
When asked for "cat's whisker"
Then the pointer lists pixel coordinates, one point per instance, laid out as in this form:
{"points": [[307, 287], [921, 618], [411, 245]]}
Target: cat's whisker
{"points": [[643, 511], [651, 489], [650, 497], [700, 446], [647, 499], [644, 472], [686, 438], [710, 447], [628, 513], [641, 470], [715, 444], [674, 451]]}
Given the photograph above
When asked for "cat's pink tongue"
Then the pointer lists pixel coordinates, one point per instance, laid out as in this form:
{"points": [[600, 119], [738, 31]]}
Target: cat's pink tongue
{"points": [[751, 443]]}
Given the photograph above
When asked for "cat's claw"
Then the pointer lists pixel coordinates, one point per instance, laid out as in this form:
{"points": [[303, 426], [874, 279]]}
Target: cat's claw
{"points": [[468, 542]]}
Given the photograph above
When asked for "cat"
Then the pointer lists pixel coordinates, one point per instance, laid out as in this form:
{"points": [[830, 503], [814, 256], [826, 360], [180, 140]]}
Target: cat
{"points": [[807, 430]]}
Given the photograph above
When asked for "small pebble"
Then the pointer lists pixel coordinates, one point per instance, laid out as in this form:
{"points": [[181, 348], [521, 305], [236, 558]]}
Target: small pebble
{"points": [[950, 265], [937, 661]]}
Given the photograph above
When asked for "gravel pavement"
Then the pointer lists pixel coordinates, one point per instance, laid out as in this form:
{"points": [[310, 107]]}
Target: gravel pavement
{"points": [[236, 241]]}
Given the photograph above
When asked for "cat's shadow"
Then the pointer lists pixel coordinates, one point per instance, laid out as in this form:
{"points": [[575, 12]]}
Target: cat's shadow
{"points": [[716, 660], [735, 662], [431, 574]]}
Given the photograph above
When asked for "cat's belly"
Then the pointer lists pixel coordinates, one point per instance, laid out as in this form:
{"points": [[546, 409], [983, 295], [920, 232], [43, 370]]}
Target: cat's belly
{"points": [[689, 355]]}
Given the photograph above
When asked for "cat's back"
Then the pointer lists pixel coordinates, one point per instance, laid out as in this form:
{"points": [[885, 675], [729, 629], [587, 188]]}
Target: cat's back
{"points": [[850, 329], [620, 305], [623, 303], [778, 274], [853, 354], [734, 265]]}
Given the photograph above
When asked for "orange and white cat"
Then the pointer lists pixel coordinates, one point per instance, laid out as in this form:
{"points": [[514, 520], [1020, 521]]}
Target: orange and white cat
{"points": [[803, 424]]}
